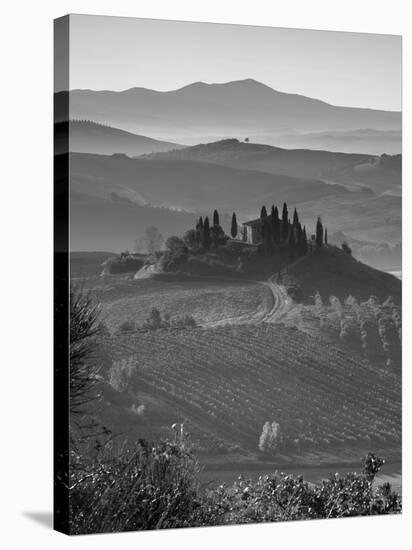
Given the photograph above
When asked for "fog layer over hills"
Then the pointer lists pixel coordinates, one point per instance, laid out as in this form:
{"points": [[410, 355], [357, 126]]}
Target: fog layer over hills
{"points": [[240, 108]]}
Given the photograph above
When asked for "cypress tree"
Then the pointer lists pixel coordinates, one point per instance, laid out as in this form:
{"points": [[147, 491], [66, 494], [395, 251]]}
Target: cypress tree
{"points": [[326, 235], [285, 222], [295, 217], [233, 229], [276, 225], [319, 233], [263, 213], [206, 234], [216, 218]]}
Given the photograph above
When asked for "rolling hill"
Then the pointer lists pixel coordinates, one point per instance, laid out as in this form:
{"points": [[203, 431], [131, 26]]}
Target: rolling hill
{"points": [[90, 137], [332, 272], [372, 142], [189, 185], [234, 108], [381, 174], [169, 192], [359, 216]]}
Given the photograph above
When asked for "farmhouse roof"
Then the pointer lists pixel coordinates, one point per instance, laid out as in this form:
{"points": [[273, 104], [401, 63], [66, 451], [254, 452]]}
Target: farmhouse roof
{"points": [[252, 223]]}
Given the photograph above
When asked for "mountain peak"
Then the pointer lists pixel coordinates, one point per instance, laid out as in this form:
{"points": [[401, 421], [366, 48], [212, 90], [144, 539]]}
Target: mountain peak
{"points": [[243, 83]]}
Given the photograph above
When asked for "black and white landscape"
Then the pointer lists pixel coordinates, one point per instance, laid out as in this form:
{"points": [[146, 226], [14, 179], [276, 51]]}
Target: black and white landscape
{"points": [[235, 263]]}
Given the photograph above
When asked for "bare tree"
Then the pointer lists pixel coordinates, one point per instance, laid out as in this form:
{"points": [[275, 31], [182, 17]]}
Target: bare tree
{"points": [[153, 239]]}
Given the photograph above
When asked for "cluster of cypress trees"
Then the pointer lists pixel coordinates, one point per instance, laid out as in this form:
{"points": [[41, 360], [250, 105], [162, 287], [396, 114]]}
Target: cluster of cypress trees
{"points": [[207, 235], [277, 233]]}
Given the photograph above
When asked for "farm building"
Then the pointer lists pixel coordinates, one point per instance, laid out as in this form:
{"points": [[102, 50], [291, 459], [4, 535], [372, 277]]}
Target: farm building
{"points": [[251, 231]]}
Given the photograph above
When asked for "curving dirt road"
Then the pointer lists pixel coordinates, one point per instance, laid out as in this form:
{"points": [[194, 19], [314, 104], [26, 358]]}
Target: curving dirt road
{"points": [[280, 304]]}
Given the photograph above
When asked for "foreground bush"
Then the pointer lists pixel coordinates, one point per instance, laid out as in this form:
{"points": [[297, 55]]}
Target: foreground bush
{"points": [[157, 487], [285, 497], [149, 487]]}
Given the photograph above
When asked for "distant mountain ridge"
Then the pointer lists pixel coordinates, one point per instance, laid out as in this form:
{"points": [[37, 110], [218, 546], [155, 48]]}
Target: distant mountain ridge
{"points": [[238, 108]]}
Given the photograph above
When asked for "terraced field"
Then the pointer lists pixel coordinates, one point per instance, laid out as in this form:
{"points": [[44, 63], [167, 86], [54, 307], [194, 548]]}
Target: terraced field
{"points": [[226, 382]]}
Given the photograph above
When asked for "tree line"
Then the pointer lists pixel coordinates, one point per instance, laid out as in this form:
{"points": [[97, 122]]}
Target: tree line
{"points": [[205, 235], [277, 233]]}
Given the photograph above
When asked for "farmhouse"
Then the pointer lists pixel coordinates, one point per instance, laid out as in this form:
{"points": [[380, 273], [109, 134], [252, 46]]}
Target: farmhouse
{"points": [[251, 231]]}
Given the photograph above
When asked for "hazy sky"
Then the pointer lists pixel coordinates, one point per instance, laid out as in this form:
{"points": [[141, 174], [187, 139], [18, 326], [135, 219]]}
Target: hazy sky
{"points": [[115, 53]]}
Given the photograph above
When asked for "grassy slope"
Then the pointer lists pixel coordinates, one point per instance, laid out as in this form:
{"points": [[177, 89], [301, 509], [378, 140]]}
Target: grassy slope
{"points": [[208, 301], [332, 272]]}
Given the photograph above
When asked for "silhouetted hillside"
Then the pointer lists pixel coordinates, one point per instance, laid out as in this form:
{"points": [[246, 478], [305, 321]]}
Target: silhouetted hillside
{"points": [[89, 137], [332, 272]]}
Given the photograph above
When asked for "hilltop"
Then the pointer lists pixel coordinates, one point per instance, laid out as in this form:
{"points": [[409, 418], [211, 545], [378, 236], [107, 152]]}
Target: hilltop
{"points": [[329, 271], [332, 272]]}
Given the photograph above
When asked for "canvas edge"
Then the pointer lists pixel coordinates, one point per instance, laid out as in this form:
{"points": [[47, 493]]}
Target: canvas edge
{"points": [[61, 283]]}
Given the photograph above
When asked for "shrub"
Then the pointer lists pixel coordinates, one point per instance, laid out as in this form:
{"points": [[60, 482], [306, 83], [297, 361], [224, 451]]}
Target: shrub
{"points": [[120, 374], [155, 486], [175, 254], [271, 438], [346, 248], [191, 239], [282, 497], [151, 486], [217, 235], [154, 321], [125, 263]]}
